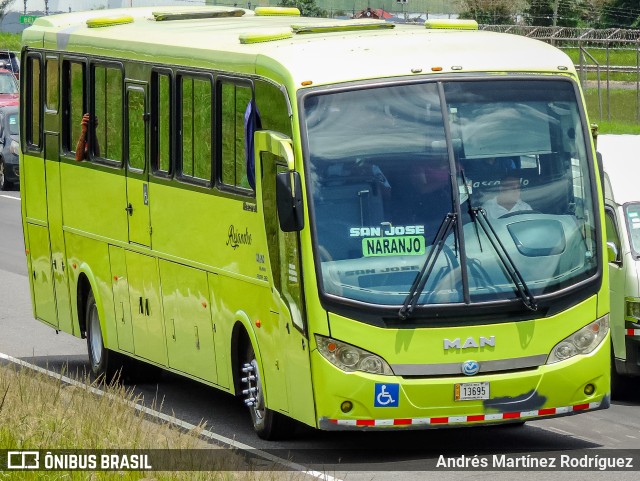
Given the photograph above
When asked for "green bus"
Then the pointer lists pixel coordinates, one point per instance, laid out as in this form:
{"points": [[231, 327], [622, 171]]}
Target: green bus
{"points": [[351, 224]]}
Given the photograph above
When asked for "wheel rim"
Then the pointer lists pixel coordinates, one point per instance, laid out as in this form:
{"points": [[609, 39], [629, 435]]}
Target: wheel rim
{"points": [[254, 395], [95, 337], [258, 407]]}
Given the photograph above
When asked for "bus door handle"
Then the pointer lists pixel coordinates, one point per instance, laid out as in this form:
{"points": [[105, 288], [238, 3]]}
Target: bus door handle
{"points": [[129, 209]]}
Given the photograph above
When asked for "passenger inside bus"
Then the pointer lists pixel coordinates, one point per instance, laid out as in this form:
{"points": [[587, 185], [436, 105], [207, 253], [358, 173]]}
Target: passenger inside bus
{"points": [[82, 147], [508, 199], [348, 195], [428, 197]]}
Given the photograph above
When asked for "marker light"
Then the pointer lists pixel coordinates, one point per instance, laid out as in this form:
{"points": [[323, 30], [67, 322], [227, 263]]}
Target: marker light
{"points": [[346, 406], [271, 36], [350, 358], [583, 341], [277, 11], [451, 24], [109, 21]]}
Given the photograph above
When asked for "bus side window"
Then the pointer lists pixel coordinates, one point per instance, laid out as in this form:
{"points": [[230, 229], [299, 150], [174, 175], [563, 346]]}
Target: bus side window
{"points": [[52, 88], [107, 109], [161, 121], [195, 122], [234, 99], [34, 101], [273, 107], [73, 102]]}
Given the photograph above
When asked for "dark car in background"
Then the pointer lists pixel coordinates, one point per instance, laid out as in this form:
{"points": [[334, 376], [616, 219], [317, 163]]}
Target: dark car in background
{"points": [[8, 88], [10, 61], [9, 147]]}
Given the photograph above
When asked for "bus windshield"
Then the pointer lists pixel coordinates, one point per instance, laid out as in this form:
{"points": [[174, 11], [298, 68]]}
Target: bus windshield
{"points": [[387, 166]]}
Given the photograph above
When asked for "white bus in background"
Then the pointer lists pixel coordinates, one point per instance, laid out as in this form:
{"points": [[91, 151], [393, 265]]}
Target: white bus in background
{"points": [[621, 161]]}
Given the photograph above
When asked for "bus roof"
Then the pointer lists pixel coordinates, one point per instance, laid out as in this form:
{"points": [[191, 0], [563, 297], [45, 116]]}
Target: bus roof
{"points": [[314, 58]]}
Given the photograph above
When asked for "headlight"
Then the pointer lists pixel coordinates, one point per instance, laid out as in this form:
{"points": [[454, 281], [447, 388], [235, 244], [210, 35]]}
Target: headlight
{"points": [[632, 309], [14, 148], [350, 358], [581, 342]]}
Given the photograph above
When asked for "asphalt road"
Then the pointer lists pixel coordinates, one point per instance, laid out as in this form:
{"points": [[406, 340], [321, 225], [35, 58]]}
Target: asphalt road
{"points": [[346, 455]]}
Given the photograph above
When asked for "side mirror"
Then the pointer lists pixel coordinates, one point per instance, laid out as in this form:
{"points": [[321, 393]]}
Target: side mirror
{"points": [[289, 201], [612, 253]]}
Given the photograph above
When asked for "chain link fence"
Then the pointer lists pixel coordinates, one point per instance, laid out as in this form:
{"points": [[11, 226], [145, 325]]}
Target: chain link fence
{"points": [[608, 63]]}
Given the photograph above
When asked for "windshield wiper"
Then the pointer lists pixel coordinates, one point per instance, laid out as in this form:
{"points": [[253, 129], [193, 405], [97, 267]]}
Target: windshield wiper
{"points": [[421, 279], [479, 216]]}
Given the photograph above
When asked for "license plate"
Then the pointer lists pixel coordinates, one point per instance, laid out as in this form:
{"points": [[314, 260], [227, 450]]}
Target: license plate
{"points": [[471, 390]]}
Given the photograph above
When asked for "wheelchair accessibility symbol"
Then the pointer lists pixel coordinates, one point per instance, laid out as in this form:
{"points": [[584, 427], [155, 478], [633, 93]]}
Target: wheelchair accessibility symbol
{"points": [[386, 395]]}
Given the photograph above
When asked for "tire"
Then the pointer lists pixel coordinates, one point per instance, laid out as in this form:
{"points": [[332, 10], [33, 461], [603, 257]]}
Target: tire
{"points": [[267, 424], [105, 364], [619, 383], [4, 185]]}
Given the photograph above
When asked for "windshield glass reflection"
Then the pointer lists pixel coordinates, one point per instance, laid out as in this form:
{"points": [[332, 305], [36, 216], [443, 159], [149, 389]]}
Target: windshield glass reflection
{"points": [[382, 183]]}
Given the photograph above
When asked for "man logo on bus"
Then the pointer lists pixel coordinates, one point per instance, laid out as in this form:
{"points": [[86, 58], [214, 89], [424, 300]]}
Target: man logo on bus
{"points": [[470, 368], [470, 342]]}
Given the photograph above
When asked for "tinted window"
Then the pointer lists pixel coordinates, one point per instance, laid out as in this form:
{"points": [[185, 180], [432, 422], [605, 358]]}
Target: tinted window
{"points": [[14, 124], [8, 84], [234, 102], [136, 133], [52, 84], [74, 73], [34, 101], [107, 105], [196, 128], [161, 112]]}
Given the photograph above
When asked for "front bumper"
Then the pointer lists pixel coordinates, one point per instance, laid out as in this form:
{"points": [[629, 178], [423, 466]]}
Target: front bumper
{"points": [[545, 391]]}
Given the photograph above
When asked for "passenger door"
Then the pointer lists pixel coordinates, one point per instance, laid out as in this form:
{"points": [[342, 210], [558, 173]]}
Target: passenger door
{"points": [[137, 165], [616, 286], [291, 346]]}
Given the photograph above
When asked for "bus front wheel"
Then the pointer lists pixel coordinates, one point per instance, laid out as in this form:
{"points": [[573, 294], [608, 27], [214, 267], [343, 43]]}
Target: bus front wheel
{"points": [[267, 424]]}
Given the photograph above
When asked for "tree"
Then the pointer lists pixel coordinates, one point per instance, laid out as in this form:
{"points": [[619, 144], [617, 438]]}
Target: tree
{"points": [[491, 12], [563, 13], [308, 8], [621, 14], [3, 8]]}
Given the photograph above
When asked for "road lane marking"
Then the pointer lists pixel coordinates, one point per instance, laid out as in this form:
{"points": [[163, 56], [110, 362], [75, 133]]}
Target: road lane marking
{"points": [[567, 433], [175, 421], [9, 197]]}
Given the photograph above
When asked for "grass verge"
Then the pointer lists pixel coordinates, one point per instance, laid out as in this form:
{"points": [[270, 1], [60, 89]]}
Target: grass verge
{"points": [[10, 41], [40, 412]]}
